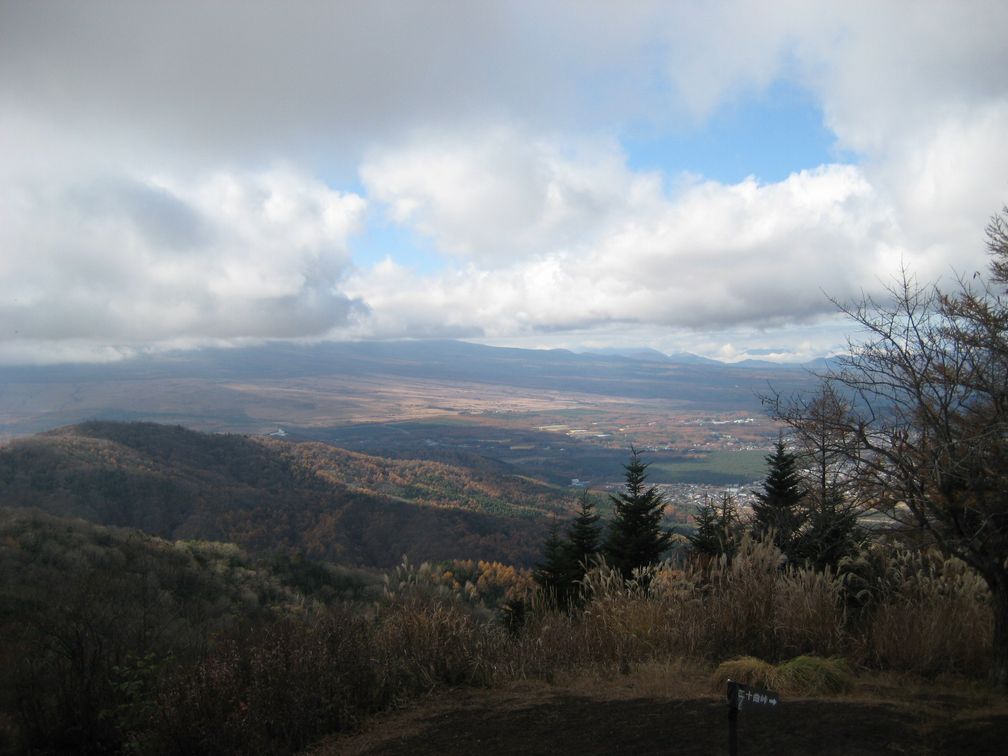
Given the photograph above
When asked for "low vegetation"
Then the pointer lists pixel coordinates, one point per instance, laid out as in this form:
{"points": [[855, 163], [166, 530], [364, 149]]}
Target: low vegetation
{"points": [[800, 676], [119, 641]]}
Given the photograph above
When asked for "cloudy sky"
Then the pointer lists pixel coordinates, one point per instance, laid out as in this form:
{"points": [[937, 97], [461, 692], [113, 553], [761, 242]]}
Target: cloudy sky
{"points": [[687, 176]]}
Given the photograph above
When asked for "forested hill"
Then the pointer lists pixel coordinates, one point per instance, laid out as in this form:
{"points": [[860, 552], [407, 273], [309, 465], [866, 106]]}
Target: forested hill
{"points": [[266, 494]]}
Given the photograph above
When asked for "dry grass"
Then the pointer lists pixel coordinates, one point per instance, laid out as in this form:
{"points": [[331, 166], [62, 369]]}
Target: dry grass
{"points": [[800, 676], [923, 613], [747, 670], [812, 675], [659, 678], [747, 606], [658, 635]]}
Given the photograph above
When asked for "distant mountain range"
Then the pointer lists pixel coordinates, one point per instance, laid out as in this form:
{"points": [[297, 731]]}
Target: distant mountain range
{"points": [[653, 355], [242, 389], [688, 358]]}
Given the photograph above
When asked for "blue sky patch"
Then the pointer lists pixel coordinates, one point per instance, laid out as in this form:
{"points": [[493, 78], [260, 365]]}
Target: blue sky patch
{"points": [[768, 135], [383, 238]]}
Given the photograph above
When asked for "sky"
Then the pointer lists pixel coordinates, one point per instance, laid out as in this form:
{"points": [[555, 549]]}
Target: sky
{"points": [[683, 176]]}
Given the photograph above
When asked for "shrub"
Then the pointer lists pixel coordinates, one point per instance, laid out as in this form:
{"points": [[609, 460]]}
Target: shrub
{"points": [[278, 688], [802, 675], [421, 644], [274, 689], [809, 614], [924, 613], [809, 675], [703, 610], [747, 670]]}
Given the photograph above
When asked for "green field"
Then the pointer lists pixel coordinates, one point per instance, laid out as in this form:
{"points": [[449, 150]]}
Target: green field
{"points": [[716, 468]]}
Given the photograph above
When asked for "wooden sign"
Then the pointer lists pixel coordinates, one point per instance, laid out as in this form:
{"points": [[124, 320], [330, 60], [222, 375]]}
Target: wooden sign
{"points": [[745, 696], [749, 698]]}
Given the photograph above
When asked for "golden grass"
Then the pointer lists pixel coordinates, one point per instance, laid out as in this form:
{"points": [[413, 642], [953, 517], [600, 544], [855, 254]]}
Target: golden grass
{"points": [[747, 670], [800, 676]]}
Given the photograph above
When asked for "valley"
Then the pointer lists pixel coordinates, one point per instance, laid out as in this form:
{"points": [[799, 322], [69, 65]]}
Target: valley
{"points": [[544, 424], [551, 413]]}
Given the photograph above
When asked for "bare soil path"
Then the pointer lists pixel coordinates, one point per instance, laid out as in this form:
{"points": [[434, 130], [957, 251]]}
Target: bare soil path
{"points": [[533, 718]]}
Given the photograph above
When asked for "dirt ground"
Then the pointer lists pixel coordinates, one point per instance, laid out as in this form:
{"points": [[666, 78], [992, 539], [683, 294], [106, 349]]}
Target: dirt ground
{"points": [[630, 717]]}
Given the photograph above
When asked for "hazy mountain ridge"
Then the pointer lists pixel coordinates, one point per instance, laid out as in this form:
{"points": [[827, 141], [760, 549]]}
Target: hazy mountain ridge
{"points": [[244, 389]]}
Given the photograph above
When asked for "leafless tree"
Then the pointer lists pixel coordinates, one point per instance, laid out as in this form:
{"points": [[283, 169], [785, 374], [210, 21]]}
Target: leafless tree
{"points": [[825, 444], [926, 434]]}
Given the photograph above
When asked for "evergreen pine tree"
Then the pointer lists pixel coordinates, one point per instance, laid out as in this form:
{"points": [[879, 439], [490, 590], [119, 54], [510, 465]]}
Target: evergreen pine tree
{"points": [[635, 535], [583, 540], [564, 561], [552, 573], [584, 534], [717, 528], [778, 507], [832, 532]]}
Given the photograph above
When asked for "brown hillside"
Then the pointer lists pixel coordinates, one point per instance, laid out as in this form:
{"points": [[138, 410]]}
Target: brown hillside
{"points": [[268, 494]]}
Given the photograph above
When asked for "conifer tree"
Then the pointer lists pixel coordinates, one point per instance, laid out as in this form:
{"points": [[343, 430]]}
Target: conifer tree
{"points": [[778, 508], [717, 528], [584, 535], [552, 573], [565, 561], [636, 537], [832, 532], [583, 542]]}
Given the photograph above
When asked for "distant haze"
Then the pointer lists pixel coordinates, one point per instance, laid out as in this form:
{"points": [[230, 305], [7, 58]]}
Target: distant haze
{"points": [[256, 389]]}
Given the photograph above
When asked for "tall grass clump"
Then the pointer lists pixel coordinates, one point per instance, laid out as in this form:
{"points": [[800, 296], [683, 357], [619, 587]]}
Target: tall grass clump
{"points": [[920, 611], [809, 613], [747, 670], [739, 611], [599, 634], [814, 675], [420, 645], [753, 606], [748, 605], [802, 675]]}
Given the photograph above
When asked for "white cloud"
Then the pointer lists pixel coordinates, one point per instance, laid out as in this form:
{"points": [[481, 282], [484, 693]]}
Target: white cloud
{"points": [[308, 77], [135, 209], [505, 194], [944, 182], [888, 71], [556, 237], [135, 261], [623, 249]]}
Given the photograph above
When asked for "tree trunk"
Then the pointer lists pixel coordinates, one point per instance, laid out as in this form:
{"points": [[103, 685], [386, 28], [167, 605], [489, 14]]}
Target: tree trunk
{"points": [[999, 656]]}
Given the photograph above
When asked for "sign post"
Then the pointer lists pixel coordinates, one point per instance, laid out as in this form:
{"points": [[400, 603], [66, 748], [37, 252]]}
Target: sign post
{"points": [[745, 697], [732, 718]]}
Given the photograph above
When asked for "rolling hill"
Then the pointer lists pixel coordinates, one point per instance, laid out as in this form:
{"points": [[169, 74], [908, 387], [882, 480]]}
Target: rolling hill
{"points": [[271, 495]]}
